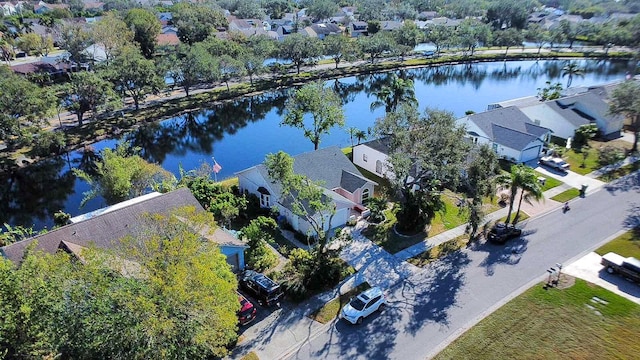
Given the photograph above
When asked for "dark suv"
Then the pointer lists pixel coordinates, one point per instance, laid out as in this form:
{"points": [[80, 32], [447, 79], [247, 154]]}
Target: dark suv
{"points": [[266, 291]]}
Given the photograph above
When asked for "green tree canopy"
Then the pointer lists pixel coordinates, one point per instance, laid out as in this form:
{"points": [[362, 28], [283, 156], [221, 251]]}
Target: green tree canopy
{"points": [[133, 75], [146, 27], [196, 22], [324, 106], [89, 91], [163, 293], [427, 154], [120, 176], [23, 105], [112, 33], [74, 38], [300, 49], [340, 47]]}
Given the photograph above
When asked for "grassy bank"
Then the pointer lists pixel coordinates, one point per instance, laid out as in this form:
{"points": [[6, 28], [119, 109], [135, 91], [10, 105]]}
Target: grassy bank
{"points": [[331, 310], [627, 244], [581, 322]]}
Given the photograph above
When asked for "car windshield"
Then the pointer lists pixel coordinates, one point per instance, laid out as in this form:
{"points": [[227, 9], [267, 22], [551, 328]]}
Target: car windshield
{"points": [[246, 312], [357, 304]]}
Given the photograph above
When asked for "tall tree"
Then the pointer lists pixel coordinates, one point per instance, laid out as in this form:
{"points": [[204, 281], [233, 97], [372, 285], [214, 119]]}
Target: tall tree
{"points": [[135, 76], [479, 182], [375, 45], [427, 154], [340, 48], [407, 37], [530, 189], [112, 33], [625, 100], [88, 91], [521, 178], [508, 38], [395, 92], [321, 10], [196, 22], [324, 106], [146, 28], [471, 33], [23, 104], [74, 38], [538, 35], [120, 176], [300, 49]]}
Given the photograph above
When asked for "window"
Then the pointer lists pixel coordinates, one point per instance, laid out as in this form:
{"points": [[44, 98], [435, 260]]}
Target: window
{"points": [[364, 157], [365, 194], [265, 200], [379, 166]]}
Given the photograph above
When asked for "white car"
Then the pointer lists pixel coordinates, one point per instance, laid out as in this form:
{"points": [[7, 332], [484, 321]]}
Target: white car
{"points": [[555, 163], [363, 305]]}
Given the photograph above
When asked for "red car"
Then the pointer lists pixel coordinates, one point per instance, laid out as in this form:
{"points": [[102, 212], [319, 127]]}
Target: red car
{"points": [[247, 311]]}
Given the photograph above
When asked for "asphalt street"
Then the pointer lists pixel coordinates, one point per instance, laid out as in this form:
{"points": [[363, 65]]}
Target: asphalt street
{"points": [[432, 307]]}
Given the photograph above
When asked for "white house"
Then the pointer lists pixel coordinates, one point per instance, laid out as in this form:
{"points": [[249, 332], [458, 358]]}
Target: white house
{"points": [[341, 181], [372, 156], [509, 132]]}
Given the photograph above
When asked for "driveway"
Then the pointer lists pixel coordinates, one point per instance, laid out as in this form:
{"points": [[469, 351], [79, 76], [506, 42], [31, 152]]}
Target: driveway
{"points": [[588, 268], [571, 178]]}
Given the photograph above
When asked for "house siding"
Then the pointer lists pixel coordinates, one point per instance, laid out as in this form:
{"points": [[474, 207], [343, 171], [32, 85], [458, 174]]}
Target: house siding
{"points": [[547, 117], [372, 155]]}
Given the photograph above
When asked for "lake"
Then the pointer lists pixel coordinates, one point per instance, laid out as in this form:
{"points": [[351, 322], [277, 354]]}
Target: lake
{"points": [[240, 133]]}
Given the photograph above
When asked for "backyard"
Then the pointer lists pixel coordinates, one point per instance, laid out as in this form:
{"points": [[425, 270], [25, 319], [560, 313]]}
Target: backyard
{"points": [[583, 321]]}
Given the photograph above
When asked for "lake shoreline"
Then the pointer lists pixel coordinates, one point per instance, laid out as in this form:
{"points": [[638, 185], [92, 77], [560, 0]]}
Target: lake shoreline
{"points": [[127, 119]]}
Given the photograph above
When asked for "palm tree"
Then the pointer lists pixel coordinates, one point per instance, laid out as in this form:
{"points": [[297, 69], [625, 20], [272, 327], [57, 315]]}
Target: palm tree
{"points": [[352, 134], [530, 189], [570, 70], [397, 91], [513, 182]]}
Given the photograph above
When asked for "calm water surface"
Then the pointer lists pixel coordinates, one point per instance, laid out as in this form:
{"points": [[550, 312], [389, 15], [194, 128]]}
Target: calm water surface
{"points": [[240, 133]]}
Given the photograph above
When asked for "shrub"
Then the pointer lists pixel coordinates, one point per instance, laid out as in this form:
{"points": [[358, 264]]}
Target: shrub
{"points": [[377, 206], [258, 233]]}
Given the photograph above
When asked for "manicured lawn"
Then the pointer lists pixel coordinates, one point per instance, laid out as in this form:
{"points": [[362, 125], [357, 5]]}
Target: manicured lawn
{"points": [[627, 244], [567, 195], [549, 182], [332, 309], [555, 324], [523, 216], [438, 251]]}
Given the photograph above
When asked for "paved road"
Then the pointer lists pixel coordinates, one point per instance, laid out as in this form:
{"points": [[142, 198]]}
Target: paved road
{"points": [[434, 306]]}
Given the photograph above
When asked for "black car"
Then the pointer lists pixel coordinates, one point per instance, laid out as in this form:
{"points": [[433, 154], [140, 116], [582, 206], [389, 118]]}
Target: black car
{"points": [[266, 291], [501, 233]]}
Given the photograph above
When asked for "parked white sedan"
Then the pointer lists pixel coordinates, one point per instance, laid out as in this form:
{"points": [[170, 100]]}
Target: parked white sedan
{"points": [[555, 163], [363, 305]]}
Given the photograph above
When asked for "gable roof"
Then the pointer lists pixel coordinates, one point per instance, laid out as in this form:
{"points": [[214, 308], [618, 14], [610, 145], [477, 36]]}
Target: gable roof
{"points": [[589, 101], [382, 145], [105, 230], [508, 126]]}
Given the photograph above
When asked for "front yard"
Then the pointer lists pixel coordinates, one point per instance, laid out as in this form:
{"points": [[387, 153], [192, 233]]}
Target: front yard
{"points": [[583, 321], [627, 244], [584, 165]]}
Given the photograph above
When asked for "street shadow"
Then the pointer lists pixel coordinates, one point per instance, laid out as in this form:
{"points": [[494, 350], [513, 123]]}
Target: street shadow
{"points": [[429, 298], [632, 221], [630, 182], [507, 254]]}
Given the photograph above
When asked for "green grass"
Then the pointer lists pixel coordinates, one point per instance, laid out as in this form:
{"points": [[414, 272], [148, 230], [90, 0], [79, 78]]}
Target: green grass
{"points": [[439, 251], [250, 356], [549, 182], [521, 217], [567, 195], [579, 164], [627, 244], [554, 324], [384, 236], [331, 310]]}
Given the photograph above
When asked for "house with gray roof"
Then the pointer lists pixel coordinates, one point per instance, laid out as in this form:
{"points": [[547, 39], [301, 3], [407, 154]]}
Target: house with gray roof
{"points": [[508, 131], [105, 228], [340, 179], [563, 116], [322, 30]]}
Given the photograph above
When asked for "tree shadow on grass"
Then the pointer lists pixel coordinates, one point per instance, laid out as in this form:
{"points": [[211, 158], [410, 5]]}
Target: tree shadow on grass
{"points": [[632, 221]]}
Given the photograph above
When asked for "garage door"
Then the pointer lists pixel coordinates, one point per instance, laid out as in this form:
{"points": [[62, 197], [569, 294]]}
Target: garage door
{"points": [[530, 153]]}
